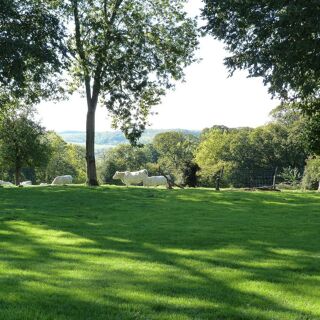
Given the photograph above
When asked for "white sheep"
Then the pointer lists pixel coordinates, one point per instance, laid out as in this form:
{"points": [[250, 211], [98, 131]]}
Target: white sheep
{"points": [[155, 181], [60, 180], [129, 178], [5, 183]]}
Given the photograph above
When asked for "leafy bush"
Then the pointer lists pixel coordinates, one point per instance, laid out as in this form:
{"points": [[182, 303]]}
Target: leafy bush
{"points": [[291, 176], [311, 176]]}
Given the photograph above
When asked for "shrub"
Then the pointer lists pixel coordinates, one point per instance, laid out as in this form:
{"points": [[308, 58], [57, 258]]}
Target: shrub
{"points": [[311, 176], [291, 176]]}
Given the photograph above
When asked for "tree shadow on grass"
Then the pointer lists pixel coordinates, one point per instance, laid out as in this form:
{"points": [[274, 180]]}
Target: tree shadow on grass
{"points": [[152, 254]]}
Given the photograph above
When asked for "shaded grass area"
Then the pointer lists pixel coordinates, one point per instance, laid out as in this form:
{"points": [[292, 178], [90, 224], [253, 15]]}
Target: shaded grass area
{"points": [[133, 253]]}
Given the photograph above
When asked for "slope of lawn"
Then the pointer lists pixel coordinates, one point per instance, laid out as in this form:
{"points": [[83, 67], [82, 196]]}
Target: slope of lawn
{"points": [[134, 253]]}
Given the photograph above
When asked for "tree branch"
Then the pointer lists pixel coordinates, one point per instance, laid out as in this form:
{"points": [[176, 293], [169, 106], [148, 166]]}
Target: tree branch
{"points": [[81, 51], [99, 56]]}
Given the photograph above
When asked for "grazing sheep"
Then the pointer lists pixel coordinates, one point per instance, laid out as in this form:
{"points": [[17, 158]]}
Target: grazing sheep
{"points": [[155, 181], [60, 180], [129, 178], [5, 183]]}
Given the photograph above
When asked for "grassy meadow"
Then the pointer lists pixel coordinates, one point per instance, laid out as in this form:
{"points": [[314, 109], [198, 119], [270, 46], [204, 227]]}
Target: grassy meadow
{"points": [[132, 253]]}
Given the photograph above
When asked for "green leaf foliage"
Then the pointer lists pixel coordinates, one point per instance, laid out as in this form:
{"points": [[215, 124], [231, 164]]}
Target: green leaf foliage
{"points": [[311, 176], [276, 40], [176, 153], [245, 152], [304, 128], [32, 49], [65, 159], [22, 143], [129, 53]]}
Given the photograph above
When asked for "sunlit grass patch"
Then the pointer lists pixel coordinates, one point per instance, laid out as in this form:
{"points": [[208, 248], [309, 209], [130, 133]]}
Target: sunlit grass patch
{"points": [[132, 253]]}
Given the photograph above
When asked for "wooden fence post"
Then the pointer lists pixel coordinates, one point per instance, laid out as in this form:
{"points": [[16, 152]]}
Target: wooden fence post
{"points": [[274, 178]]}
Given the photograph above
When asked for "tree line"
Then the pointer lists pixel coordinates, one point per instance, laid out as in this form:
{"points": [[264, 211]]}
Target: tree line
{"points": [[283, 145], [238, 156]]}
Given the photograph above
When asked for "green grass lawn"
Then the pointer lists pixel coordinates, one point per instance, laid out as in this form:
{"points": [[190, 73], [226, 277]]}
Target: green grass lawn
{"points": [[134, 253]]}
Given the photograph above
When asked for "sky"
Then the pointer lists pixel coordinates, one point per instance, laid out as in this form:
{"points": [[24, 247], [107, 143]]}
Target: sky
{"points": [[207, 97]]}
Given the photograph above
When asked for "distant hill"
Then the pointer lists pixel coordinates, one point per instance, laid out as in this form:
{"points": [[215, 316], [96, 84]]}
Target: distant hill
{"points": [[112, 138]]}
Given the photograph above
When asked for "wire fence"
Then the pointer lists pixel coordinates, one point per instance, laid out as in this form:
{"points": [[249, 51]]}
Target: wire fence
{"points": [[249, 178]]}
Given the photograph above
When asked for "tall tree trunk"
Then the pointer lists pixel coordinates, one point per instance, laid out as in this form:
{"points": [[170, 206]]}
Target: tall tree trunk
{"points": [[90, 139], [92, 98], [17, 176]]}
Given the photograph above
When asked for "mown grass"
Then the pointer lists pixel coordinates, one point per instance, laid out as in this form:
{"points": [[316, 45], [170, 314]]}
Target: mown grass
{"points": [[133, 253]]}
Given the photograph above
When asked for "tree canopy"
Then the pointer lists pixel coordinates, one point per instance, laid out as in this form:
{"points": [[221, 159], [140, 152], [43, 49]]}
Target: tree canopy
{"points": [[247, 153], [65, 159], [32, 50], [22, 143], [276, 40], [303, 128], [176, 153], [127, 54]]}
